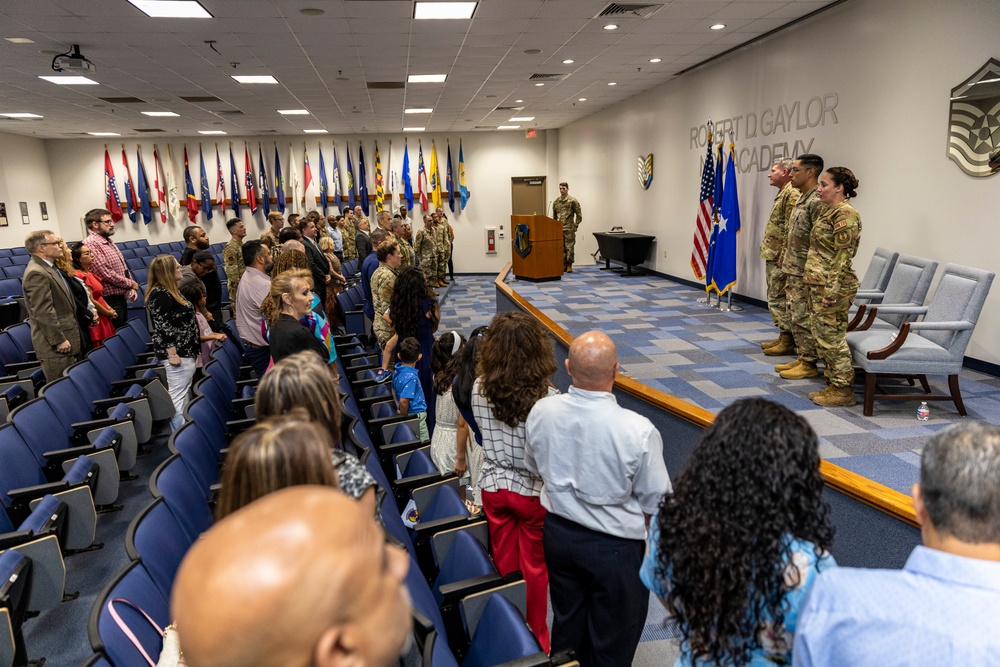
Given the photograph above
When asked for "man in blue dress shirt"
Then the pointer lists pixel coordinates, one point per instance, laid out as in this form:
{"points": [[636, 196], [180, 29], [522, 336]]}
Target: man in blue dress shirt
{"points": [[943, 607]]}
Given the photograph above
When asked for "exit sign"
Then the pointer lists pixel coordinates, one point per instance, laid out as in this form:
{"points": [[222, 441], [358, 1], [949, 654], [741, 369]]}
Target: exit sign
{"points": [[530, 134]]}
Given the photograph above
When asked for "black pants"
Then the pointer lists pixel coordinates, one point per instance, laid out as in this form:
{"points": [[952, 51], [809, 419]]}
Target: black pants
{"points": [[258, 358], [599, 603], [451, 262], [118, 304]]}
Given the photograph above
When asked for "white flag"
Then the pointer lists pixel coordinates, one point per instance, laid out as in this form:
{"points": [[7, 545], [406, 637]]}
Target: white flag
{"points": [[173, 196], [293, 180]]}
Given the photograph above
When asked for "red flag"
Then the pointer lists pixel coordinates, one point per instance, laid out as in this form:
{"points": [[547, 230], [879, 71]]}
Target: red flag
{"points": [[703, 221], [189, 196], [251, 190], [308, 170], [111, 201], [161, 193]]}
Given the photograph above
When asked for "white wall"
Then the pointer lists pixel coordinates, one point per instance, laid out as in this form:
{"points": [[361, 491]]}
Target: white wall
{"points": [[24, 176], [491, 159], [891, 65]]}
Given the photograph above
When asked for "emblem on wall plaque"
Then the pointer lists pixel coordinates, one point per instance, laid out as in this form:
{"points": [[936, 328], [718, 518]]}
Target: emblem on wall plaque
{"points": [[645, 172], [975, 121]]}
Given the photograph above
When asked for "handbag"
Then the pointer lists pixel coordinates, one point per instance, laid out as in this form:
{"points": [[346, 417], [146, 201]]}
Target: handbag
{"points": [[170, 652]]}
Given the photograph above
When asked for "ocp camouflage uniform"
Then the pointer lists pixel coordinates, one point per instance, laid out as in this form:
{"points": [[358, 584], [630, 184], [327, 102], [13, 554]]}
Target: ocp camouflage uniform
{"points": [[807, 210], [442, 239], [270, 239], [426, 251], [349, 231], [232, 258], [829, 274], [383, 281], [406, 251], [771, 249], [567, 211]]}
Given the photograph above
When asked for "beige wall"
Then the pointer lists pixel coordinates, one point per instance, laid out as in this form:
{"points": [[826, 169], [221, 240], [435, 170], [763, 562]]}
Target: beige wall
{"points": [[24, 176]]}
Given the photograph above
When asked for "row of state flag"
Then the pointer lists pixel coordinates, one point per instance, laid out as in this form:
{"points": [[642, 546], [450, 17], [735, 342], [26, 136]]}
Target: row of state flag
{"points": [[717, 222], [258, 190]]}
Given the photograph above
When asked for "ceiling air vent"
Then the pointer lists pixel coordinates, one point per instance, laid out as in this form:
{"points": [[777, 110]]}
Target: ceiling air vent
{"points": [[638, 10], [228, 112], [148, 130], [386, 85], [509, 109], [547, 77], [200, 99], [123, 100]]}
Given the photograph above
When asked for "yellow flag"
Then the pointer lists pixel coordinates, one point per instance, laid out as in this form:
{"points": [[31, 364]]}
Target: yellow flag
{"points": [[435, 177]]}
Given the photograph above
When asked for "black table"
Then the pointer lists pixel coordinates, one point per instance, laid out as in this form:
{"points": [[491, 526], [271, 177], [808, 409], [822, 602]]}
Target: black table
{"points": [[629, 249]]}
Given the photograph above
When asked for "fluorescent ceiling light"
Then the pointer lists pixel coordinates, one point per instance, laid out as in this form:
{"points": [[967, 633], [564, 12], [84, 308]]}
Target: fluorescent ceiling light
{"points": [[611, 26], [508, 127], [426, 78], [255, 78], [523, 119], [70, 80], [104, 134], [19, 40], [518, 101], [612, 83], [581, 99], [655, 60], [293, 112], [418, 110], [718, 26], [211, 132], [539, 85], [171, 9], [414, 129], [20, 115], [314, 131], [161, 114], [568, 61], [444, 10]]}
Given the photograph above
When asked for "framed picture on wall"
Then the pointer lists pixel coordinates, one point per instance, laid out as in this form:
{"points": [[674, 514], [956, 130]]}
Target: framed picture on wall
{"points": [[3, 214], [24, 213], [45, 210]]}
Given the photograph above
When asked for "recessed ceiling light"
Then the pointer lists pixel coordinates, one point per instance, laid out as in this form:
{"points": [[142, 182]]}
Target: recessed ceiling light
{"points": [[176, 9], [70, 80], [581, 99], [444, 10], [426, 78], [254, 78], [20, 115], [311, 11], [419, 110], [104, 134], [314, 131], [539, 84], [508, 127], [293, 112], [568, 61], [523, 119], [19, 40], [518, 101], [655, 60], [612, 83], [611, 26], [211, 132], [414, 129], [718, 26], [162, 114]]}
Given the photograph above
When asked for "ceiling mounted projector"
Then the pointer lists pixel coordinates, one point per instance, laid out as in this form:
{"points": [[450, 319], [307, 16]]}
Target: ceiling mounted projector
{"points": [[73, 61]]}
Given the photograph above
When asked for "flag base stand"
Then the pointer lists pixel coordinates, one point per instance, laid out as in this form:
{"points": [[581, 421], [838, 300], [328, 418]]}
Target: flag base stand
{"points": [[729, 306]]}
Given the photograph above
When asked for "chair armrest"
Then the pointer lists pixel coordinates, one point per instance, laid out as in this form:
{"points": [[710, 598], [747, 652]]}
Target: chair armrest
{"points": [[102, 404], [92, 425], [29, 493], [19, 367], [60, 455], [900, 309], [892, 347], [237, 426], [453, 592], [869, 294], [959, 325]]}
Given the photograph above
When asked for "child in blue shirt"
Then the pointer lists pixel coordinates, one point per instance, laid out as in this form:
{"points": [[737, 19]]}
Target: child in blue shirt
{"points": [[406, 387]]}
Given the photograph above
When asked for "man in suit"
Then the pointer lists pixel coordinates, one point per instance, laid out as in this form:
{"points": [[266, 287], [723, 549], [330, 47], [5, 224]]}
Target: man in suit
{"points": [[55, 332], [362, 241], [318, 264]]}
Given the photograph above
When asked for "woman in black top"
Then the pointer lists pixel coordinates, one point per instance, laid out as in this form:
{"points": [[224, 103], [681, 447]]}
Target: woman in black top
{"points": [[174, 331], [290, 299]]}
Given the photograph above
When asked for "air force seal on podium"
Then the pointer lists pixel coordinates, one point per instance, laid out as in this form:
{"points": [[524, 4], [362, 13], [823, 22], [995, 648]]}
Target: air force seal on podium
{"points": [[522, 241], [975, 121], [645, 172]]}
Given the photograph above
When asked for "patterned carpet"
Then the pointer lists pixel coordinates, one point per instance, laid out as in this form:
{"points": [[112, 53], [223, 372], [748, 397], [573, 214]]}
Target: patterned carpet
{"points": [[669, 340]]}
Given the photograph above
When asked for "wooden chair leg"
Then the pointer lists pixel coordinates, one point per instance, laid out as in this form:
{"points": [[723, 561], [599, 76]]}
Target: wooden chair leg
{"points": [[869, 393], [956, 394], [923, 383]]}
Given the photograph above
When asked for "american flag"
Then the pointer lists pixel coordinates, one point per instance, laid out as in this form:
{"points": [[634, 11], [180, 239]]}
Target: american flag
{"points": [[703, 222]]}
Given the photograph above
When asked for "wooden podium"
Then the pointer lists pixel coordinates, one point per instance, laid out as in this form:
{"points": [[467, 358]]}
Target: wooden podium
{"points": [[545, 260]]}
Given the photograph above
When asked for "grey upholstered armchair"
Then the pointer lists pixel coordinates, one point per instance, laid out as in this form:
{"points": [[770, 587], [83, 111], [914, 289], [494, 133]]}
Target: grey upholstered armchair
{"points": [[907, 286], [876, 276]]}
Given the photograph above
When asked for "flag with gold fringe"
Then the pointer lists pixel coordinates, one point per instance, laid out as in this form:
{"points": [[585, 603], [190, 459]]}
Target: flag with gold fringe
{"points": [[379, 184]]}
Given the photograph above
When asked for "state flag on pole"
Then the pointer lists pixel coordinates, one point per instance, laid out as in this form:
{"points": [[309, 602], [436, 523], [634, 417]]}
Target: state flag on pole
{"points": [[336, 181], [111, 201], [323, 201], [463, 191], [265, 195], [362, 180], [449, 183], [173, 191], [220, 183], [391, 185], [703, 221], [251, 188], [206, 194], [294, 184], [307, 175], [143, 191], [129, 187], [421, 176], [379, 184], [351, 198], [724, 265], [407, 183], [435, 176], [191, 201], [158, 182], [234, 184], [279, 182]]}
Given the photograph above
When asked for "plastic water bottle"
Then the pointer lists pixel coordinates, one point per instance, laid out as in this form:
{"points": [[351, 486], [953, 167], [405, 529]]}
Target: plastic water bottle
{"points": [[923, 412]]}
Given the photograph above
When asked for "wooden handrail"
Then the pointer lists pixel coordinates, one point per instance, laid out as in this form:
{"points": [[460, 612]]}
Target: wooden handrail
{"points": [[895, 504]]}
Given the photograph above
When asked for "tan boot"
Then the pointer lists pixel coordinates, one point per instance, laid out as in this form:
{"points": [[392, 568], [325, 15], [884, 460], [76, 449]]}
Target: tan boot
{"points": [[785, 367], [569, 268], [784, 346], [804, 371], [836, 397], [770, 343], [814, 394]]}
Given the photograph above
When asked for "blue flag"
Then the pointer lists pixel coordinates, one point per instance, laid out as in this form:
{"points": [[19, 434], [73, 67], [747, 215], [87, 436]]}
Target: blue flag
{"points": [[362, 186], [351, 196], [147, 211], [279, 181], [462, 190], [407, 183], [234, 184], [716, 204], [265, 195], [449, 183], [322, 183], [724, 266], [206, 194]]}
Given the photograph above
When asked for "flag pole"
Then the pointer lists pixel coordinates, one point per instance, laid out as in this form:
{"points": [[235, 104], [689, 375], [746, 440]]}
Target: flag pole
{"points": [[708, 293]]}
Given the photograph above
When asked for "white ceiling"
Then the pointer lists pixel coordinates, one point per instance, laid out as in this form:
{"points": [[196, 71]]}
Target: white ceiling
{"points": [[323, 63]]}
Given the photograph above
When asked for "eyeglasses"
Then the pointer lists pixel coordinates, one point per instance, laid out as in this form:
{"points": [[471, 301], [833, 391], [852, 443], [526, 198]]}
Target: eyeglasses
{"points": [[50, 243], [107, 222]]}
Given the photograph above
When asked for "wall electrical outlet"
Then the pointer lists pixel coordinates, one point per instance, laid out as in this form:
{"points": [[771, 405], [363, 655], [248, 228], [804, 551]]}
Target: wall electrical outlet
{"points": [[664, 254]]}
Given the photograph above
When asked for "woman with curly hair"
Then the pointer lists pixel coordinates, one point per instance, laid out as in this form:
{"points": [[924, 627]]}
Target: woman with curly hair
{"points": [[414, 313], [735, 548], [514, 366]]}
